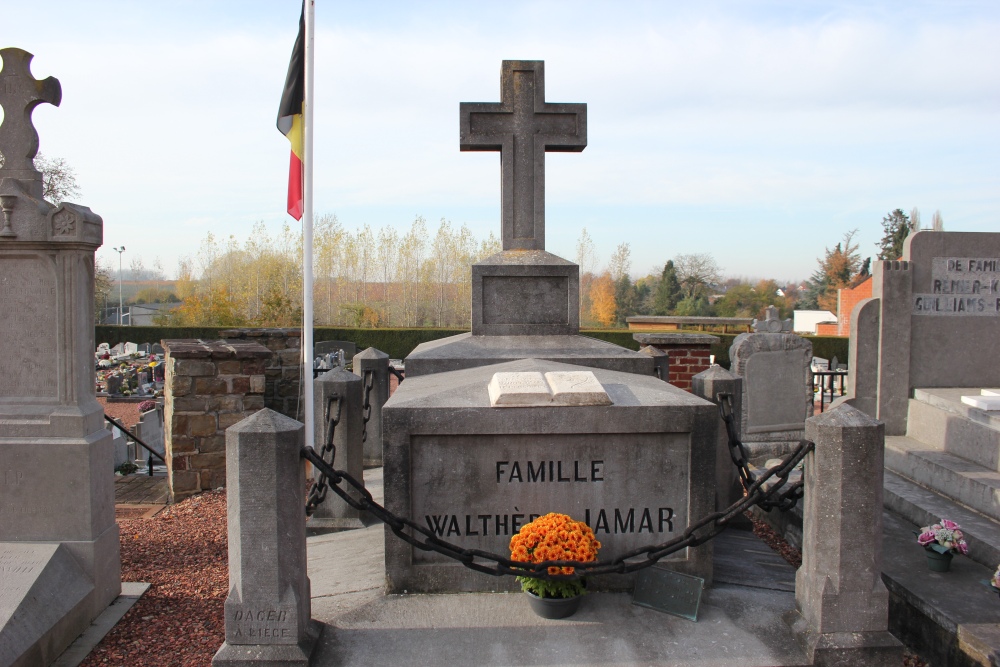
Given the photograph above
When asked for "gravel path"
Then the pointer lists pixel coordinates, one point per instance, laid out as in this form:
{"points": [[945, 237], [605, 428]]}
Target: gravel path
{"points": [[125, 412], [179, 621]]}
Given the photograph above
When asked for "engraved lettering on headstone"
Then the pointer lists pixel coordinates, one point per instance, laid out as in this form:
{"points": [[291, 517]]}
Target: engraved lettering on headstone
{"points": [[627, 494], [962, 286]]}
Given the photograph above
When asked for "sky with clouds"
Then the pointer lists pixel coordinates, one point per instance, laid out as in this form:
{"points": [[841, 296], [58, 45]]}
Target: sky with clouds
{"points": [[759, 132]]}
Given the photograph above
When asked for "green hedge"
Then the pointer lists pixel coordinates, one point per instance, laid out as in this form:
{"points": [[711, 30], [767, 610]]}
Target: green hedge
{"points": [[398, 343]]}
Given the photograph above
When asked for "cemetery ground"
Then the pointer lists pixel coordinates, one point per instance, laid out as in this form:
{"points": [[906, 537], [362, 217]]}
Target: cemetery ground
{"points": [[182, 553]]}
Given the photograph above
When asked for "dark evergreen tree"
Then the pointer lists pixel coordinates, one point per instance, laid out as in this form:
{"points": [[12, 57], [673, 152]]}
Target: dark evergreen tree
{"points": [[668, 291], [896, 227]]}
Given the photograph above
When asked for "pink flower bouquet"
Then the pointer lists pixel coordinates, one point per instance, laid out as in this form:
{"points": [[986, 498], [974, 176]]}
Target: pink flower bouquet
{"points": [[943, 537]]}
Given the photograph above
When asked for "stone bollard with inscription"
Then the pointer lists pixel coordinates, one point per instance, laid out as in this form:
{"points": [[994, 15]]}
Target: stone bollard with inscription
{"points": [[708, 385], [375, 362], [59, 546], [842, 614], [268, 610], [344, 388]]}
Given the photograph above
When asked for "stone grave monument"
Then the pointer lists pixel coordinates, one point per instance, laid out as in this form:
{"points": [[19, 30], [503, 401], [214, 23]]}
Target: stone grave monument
{"points": [[59, 559], [777, 386], [633, 457], [525, 301], [927, 339]]}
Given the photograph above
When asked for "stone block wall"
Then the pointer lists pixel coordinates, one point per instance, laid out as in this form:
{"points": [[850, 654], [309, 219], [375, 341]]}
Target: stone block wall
{"points": [[282, 371], [210, 385], [688, 354]]}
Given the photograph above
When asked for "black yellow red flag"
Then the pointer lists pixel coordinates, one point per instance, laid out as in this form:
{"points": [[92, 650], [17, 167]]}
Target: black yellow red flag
{"points": [[290, 117]]}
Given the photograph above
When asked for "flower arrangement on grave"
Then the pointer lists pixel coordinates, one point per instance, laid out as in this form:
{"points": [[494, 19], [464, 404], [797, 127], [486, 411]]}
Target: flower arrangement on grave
{"points": [[146, 406], [943, 537], [995, 581], [549, 538]]}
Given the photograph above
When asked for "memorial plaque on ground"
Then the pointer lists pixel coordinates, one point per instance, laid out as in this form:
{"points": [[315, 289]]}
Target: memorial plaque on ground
{"points": [[637, 471]]}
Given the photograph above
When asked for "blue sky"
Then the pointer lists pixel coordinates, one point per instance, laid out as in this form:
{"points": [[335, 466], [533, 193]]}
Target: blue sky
{"points": [[758, 132]]}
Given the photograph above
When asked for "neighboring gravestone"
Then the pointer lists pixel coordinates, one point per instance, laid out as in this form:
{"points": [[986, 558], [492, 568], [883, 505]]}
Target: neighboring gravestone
{"points": [[777, 387], [638, 471], [268, 609], [933, 321], [338, 395], [373, 367], [59, 554], [325, 347], [525, 301]]}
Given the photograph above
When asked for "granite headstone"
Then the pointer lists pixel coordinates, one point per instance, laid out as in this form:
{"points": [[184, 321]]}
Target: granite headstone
{"points": [[57, 525]]}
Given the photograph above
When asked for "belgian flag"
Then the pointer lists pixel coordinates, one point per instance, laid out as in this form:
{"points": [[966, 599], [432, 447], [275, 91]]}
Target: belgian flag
{"points": [[290, 118]]}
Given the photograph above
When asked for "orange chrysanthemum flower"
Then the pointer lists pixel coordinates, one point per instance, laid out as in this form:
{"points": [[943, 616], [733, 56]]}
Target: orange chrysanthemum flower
{"points": [[554, 537]]}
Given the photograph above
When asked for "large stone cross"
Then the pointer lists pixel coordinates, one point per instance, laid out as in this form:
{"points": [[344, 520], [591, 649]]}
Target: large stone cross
{"points": [[523, 126], [20, 93]]}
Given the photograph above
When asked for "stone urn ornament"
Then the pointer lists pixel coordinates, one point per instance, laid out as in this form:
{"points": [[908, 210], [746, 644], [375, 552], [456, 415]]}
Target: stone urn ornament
{"points": [[554, 537], [942, 541]]}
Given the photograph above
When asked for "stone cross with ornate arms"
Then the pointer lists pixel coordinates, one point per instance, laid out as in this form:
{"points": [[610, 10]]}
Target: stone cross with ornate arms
{"points": [[523, 126], [20, 93]]}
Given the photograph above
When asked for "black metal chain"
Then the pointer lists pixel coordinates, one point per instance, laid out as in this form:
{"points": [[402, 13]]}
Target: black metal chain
{"points": [[317, 492], [398, 373], [791, 493], [366, 409], [758, 492]]}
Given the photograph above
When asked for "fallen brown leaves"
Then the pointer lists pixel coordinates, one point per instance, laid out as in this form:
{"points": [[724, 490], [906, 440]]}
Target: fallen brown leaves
{"points": [[179, 621]]}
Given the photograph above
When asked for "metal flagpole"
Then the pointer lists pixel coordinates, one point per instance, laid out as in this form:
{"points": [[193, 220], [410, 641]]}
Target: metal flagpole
{"points": [[307, 229]]}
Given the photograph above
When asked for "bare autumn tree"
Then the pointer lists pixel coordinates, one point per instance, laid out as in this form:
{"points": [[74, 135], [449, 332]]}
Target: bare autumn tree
{"points": [[58, 179], [696, 272]]}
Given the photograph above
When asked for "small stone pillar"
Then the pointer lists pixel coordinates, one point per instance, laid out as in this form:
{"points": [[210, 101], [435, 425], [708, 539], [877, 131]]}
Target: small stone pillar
{"points": [[892, 280], [661, 362], [376, 362], [708, 385], [347, 387], [842, 614], [689, 353], [268, 609]]}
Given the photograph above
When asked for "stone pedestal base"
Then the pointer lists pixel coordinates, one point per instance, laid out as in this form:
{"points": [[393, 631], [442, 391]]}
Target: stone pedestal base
{"points": [[638, 471], [272, 655], [847, 649], [525, 292]]}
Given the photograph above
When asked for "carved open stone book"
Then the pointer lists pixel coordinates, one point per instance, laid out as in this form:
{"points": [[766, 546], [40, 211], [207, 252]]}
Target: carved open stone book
{"points": [[555, 388]]}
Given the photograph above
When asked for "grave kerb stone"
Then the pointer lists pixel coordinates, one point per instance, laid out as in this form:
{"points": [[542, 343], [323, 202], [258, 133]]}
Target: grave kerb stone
{"points": [[375, 362], [268, 609], [709, 384], [346, 390], [842, 614]]}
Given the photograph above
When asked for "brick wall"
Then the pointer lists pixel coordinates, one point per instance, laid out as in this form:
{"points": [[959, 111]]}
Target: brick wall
{"points": [[828, 329], [210, 385], [689, 354], [846, 300]]}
